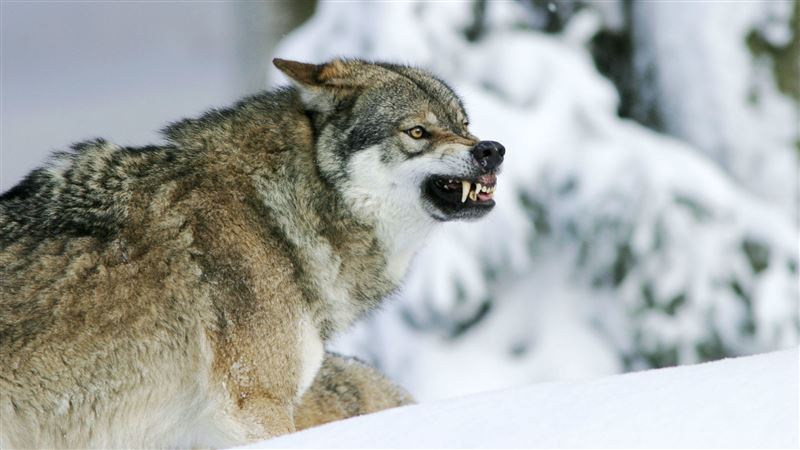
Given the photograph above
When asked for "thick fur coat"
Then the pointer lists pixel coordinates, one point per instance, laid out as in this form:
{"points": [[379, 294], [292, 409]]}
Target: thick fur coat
{"points": [[181, 295]]}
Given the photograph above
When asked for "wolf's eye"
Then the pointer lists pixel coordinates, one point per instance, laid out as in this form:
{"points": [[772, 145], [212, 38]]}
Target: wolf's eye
{"points": [[417, 132]]}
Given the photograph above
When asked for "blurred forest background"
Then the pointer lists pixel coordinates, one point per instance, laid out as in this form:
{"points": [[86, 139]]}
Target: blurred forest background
{"points": [[648, 212]]}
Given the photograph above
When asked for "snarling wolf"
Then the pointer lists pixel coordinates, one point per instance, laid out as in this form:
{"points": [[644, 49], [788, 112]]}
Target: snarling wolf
{"points": [[181, 295]]}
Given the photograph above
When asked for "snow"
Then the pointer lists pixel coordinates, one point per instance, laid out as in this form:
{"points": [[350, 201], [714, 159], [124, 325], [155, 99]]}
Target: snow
{"points": [[720, 95], [748, 402], [612, 247]]}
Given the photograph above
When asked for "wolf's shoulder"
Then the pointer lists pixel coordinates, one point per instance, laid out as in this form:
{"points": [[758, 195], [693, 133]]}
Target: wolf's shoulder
{"points": [[264, 112]]}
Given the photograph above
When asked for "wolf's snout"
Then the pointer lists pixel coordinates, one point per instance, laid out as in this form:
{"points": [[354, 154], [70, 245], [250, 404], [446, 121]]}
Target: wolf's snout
{"points": [[489, 154]]}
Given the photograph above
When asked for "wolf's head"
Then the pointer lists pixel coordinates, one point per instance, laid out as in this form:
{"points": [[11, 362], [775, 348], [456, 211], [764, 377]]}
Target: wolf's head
{"points": [[395, 136]]}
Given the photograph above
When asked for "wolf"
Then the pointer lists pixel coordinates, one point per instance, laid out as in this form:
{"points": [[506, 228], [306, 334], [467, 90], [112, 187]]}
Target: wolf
{"points": [[181, 295]]}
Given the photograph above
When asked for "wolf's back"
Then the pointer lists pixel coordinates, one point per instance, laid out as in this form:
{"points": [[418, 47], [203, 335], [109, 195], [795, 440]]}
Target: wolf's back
{"points": [[82, 192]]}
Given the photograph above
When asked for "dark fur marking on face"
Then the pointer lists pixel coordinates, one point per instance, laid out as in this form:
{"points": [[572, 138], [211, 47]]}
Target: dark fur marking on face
{"points": [[364, 135]]}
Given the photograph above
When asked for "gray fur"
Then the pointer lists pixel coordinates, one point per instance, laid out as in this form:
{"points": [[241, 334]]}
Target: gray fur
{"points": [[179, 295]]}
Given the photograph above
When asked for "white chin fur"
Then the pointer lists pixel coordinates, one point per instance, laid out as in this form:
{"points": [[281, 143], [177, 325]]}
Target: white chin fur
{"points": [[389, 196]]}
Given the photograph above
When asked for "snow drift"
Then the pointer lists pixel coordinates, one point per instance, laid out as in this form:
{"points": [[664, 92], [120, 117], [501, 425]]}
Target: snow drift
{"points": [[733, 403]]}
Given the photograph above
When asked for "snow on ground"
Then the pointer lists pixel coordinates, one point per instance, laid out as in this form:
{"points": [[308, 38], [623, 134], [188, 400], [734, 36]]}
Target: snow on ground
{"points": [[733, 403]]}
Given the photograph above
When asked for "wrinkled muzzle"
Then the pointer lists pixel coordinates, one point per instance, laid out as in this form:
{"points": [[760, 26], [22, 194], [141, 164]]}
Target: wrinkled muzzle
{"points": [[468, 191]]}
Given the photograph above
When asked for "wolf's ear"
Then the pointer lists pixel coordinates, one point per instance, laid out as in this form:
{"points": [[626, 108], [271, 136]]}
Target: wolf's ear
{"points": [[320, 84]]}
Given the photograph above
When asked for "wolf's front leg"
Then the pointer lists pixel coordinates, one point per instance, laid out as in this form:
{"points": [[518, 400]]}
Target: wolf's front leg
{"points": [[345, 387], [261, 370], [259, 416], [251, 410]]}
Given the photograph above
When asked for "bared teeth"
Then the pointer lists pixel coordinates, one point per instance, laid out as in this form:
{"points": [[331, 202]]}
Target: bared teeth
{"points": [[471, 191]]}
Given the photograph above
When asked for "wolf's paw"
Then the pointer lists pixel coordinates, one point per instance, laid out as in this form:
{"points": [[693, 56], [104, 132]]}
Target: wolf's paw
{"points": [[345, 387]]}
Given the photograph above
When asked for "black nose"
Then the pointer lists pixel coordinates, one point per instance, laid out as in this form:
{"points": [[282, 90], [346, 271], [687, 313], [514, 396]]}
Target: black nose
{"points": [[489, 154]]}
